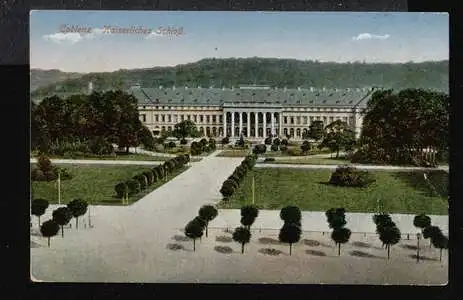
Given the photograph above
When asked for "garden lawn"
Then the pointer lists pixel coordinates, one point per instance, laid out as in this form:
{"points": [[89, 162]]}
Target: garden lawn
{"points": [[94, 184], [397, 192]]}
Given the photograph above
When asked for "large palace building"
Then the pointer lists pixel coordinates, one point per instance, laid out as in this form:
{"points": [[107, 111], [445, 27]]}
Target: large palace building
{"points": [[255, 112]]}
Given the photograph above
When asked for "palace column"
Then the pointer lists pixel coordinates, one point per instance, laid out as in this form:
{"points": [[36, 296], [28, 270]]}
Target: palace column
{"points": [[256, 124], [248, 123], [233, 124], [224, 124], [280, 124], [265, 125], [241, 123], [273, 123]]}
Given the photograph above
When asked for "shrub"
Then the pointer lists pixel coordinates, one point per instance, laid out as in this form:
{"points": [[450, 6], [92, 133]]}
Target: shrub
{"points": [[284, 142], [234, 177], [291, 214], [259, 149], [171, 144], [269, 159], [276, 142], [142, 179], [134, 186], [227, 190], [38, 175], [225, 140], [231, 182], [268, 141], [183, 141], [121, 189], [305, 147], [421, 221], [283, 148], [51, 175], [149, 176], [100, 146], [351, 177], [274, 147], [44, 164]]}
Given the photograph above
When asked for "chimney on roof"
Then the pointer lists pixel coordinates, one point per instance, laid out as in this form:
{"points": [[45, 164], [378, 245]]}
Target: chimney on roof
{"points": [[298, 88], [186, 88], [90, 87], [311, 88], [173, 87], [324, 88], [160, 87]]}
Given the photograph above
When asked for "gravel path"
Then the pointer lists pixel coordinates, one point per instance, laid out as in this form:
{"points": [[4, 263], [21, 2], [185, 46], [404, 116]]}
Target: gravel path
{"points": [[363, 167]]}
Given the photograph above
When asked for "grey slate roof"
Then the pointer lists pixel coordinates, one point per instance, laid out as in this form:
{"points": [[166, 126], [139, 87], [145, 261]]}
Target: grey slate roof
{"points": [[218, 96]]}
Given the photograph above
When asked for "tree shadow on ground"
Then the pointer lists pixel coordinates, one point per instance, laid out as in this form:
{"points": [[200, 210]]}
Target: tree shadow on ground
{"points": [[270, 251], [424, 258], [311, 243], [416, 181], [315, 252], [35, 245], [175, 247], [365, 245], [269, 241], [223, 239], [409, 247], [223, 249], [357, 253], [180, 238]]}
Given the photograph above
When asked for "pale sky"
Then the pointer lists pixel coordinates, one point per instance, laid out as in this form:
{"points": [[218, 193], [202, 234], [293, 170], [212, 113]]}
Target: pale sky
{"points": [[339, 37]]}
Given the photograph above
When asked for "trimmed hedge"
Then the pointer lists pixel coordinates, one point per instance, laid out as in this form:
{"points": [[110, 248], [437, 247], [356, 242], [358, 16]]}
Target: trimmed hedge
{"points": [[351, 177], [231, 184], [121, 189], [143, 180]]}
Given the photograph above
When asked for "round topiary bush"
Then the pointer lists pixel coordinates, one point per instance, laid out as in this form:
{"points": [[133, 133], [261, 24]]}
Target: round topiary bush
{"points": [[134, 186], [283, 147], [284, 142], [276, 142], [121, 189], [142, 179], [351, 177], [183, 141], [171, 144], [274, 147], [268, 141], [149, 176], [231, 182]]}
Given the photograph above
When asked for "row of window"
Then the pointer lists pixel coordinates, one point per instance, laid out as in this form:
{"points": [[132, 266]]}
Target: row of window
{"points": [[180, 118], [326, 120], [317, 109]]}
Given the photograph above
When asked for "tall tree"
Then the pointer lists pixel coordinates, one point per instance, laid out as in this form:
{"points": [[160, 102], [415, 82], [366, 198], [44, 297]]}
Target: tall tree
{"points": [[185, 129], [338, 136]]}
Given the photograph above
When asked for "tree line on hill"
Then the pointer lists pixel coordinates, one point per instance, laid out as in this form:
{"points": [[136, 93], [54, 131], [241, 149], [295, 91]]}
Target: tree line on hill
{"points": [[274, 72]]}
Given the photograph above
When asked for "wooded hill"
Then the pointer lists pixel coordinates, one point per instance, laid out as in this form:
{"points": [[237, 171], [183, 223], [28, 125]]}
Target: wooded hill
{"points": [[288, 73]]}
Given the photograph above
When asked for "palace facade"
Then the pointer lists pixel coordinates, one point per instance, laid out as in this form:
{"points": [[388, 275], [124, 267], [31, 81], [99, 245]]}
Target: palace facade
{"points": [[256, 112]]}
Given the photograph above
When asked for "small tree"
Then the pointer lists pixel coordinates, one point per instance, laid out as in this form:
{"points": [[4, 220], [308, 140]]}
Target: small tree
{"points": [[430, 232], [208, 213], [340, 236], [276, 141], [242, 235], [291, 214], [268, 141], [225, 140], [78, 207], [290, 233], [421, 221], [227, 190], [49, 229], [38, 207], [389, 235], [194, 230], [440, 242], [62, 216], [249, 214]]}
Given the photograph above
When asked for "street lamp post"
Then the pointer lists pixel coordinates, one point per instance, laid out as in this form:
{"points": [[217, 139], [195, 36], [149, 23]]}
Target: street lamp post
{"points": [[418, 236]]}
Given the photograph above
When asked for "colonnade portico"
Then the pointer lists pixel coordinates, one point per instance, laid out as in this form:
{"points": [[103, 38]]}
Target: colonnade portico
{"points": [[252, 123]]}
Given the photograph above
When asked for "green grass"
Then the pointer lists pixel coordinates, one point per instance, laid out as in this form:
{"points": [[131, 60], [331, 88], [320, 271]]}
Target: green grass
{"points": [[94, 184], [233, 153], [398, 192], [310, 161], [129, 157]]}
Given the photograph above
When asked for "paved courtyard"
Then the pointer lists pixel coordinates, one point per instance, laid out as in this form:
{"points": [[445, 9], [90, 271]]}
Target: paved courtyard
{"points": [[130, 244]]}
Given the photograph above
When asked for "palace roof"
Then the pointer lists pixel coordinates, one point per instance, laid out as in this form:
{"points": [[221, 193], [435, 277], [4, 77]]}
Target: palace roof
{"points": [[284, 97]]}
